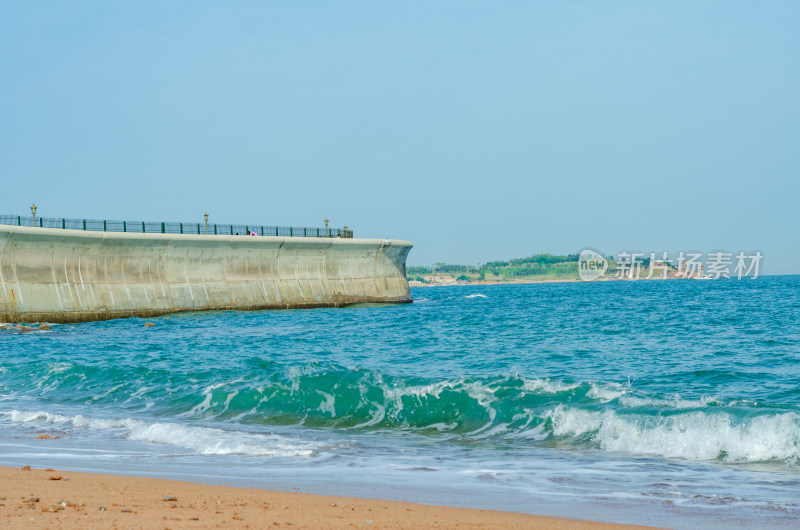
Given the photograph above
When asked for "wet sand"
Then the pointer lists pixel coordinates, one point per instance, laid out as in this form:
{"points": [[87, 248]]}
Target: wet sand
{"points": [[46, 498]]}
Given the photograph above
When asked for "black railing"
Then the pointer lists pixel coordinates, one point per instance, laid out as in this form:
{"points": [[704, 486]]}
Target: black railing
{"points": [[147, 227]]}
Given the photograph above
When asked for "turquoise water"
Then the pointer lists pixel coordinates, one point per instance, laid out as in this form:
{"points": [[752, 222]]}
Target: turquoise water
{"points": [[673, 403]]}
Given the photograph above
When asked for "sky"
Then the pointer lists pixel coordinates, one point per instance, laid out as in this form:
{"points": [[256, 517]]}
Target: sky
{"points": [[477, 130]]}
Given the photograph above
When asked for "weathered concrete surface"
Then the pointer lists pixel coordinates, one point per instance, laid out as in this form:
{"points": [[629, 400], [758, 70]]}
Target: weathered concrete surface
{"points": [[50, 275]]}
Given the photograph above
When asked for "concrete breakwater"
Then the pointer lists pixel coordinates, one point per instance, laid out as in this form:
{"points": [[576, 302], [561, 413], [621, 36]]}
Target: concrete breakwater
{"points": [[55, 275]]}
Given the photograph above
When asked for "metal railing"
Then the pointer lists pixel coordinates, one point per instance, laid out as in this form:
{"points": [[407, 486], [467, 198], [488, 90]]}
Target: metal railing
{"points": [[147, 227]]}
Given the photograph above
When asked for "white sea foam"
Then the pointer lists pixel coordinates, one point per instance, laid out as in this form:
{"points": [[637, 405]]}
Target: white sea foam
{"points": [[107, 392], [476, 295], [210, 441], [378, 415], [395, 394], [537, 434], [485, 397], [607, 392], [676, 402], [202, 440], [229, 398], [547, 386], [208, 398], [57, 368], [690, 435], [139, 392], [328, 405], [442, 427], [481, 393], [490, 430]]}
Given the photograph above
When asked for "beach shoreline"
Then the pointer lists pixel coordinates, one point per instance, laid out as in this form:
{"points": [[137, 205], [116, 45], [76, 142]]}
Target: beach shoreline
{"points": [[64, 499]]}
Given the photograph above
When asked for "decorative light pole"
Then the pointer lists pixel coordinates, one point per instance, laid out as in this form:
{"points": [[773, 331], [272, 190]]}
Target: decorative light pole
{"points": [[326, 227], [206, 217], [33, 212]]}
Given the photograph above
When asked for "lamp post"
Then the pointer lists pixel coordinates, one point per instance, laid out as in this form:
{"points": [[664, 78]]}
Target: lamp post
{"points": [[326, 227], [205, 215], [33, 212]]}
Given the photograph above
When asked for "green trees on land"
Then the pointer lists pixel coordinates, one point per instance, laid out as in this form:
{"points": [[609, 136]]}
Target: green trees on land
{"points": [[538, 265]]}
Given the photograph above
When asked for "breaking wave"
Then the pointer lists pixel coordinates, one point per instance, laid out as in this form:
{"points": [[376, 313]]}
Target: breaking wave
{"points": [[604, 416]]}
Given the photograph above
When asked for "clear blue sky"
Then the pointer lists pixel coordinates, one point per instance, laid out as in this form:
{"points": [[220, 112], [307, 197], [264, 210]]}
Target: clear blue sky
{"points": [[477, 130]]}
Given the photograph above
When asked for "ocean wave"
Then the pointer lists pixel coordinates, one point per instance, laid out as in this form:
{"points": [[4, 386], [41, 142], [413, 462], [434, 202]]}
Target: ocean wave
{"points": [[607, 416], [476, 295], [708, 436], [712, 436], [603, 415]]}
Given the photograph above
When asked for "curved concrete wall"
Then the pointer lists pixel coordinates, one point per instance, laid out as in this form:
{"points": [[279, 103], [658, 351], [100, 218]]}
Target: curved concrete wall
{"points": [[55, 275]]}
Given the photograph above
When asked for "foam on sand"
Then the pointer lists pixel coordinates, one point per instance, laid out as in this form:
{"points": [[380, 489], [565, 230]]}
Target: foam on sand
{"points": [[201, 440]]}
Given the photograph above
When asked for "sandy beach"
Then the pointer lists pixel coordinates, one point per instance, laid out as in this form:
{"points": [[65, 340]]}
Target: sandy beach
{"points": [[47, 498]]}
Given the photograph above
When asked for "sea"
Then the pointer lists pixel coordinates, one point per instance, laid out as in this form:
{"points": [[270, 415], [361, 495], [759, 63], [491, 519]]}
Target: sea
{"points": [[673, 403]]}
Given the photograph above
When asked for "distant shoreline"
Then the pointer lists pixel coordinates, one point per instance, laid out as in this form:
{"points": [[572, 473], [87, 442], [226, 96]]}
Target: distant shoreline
{"points": [[413, 283]]}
